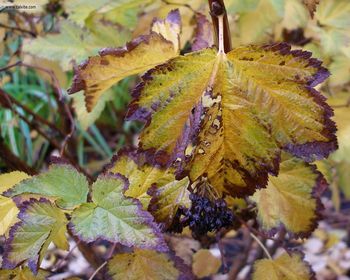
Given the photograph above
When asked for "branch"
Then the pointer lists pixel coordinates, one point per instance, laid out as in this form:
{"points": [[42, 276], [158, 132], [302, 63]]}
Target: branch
{"points": [[18, 29], [63, 107], [12, 161], [7, 101], [217, 8]]}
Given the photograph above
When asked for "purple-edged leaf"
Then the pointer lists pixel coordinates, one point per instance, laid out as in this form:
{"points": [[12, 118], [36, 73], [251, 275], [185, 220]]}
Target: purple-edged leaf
{"points": [[40, 224], [292, 199], [61, 182], [228, 116], [100, 72], [203, 36], [112, 216]]}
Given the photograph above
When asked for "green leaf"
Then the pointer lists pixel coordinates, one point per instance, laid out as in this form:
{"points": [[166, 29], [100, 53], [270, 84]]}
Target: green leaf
{"points": [[342, 119], [23, 274], [72, 43], [79, 10], [124, 12], [340, 69], [116, 218], [292, 199], [342, 170], [295, 15], [332, 39], [61, 182], [285, 267], [238, 6], [256, 25], [41, 223], [227, 117], [99, 73], [142, 265], [334, 13]]}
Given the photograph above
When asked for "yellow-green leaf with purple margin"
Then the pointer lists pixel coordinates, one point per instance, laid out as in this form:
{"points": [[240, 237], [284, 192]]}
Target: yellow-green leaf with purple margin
{"points": [[229, 116]]}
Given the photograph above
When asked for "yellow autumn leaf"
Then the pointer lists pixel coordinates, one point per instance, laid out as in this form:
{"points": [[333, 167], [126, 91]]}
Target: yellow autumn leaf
{"points": [[8, 209], [256, 25], [23, 273], [99, 73], [205, 263], [291, 199], [8, 180], [140, 178], [228, 116], [285, 267], [142, 265]]}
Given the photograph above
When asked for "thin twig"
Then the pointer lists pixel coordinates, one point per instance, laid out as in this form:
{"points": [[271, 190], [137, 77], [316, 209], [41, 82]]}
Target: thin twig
{"points": [[261, 245], [60, 262], [12, 161], [110, 254], [241, 260], [97, 270], [9, 104]]}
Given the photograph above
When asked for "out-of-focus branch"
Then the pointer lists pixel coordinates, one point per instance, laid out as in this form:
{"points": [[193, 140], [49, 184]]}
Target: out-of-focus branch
{"points": [[12, 161]]}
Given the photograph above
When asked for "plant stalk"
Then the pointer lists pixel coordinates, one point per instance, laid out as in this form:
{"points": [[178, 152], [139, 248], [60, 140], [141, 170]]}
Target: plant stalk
{"points": [[217, 8]]}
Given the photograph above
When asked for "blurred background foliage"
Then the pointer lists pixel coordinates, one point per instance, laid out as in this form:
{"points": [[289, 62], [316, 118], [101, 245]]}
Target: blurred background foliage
{"points": [[39, 49]]}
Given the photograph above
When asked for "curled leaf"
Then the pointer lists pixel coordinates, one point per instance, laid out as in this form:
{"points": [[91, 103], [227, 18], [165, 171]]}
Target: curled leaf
{"points": [[99, 73]]}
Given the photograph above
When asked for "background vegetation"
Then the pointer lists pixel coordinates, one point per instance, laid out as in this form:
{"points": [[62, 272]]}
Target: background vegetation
{"points": [[39, 120]]}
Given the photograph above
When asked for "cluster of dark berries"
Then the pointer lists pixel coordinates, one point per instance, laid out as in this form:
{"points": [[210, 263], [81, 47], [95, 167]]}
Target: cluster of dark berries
{"points": [[206, 215]]}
